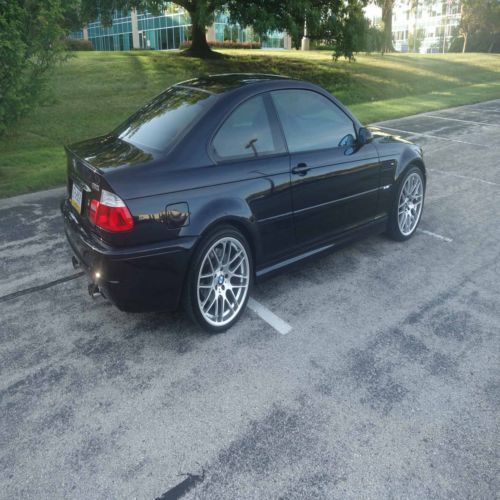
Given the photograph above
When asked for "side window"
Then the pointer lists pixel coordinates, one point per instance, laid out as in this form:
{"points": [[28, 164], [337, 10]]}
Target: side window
{"points": [[247, 133], [311, 121]]}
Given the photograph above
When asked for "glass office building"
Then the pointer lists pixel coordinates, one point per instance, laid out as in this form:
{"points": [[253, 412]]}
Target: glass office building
{"points": [[115, 37], [224, 30], [274, 40], [166, 31]]}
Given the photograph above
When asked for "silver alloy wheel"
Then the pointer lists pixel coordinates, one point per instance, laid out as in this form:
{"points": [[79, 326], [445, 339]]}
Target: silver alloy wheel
{"points": [[223, 281], [410, 204]]}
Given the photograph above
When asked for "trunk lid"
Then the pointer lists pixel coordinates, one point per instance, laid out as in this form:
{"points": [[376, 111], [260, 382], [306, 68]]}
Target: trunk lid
{"points": [[88, 163]]}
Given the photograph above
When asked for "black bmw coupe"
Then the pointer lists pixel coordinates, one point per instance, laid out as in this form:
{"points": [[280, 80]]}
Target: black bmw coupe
{"points": [[222, 180]]}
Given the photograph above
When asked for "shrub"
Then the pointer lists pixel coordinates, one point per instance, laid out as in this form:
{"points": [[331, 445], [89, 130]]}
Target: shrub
{"points": [[374, 39], [31, 43], [76, 45], [226, 44]]}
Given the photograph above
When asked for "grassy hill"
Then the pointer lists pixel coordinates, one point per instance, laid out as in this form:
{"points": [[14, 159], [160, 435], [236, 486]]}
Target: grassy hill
{"points": [[93, 92]]}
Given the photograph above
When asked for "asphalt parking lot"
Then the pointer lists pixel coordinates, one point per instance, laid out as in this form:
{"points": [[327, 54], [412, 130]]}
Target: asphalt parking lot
{"points": [[386, 385]]}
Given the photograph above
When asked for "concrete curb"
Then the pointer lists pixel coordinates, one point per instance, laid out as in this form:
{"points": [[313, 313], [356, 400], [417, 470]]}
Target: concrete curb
{"points": [[26, 199]]}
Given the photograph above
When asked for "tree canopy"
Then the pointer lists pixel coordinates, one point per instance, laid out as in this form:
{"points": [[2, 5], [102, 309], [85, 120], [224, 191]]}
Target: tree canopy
{"points": [[336, 21]]}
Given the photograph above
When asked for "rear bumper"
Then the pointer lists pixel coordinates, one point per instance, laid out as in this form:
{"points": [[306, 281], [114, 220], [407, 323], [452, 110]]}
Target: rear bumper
{"points": [[140, 278]]}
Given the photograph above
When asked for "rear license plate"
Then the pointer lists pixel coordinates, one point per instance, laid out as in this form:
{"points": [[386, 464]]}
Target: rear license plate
{"points": [[76, 198]]}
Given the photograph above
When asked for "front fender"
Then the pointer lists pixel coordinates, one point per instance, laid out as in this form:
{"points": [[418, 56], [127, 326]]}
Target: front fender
{"points": [[410, 155]]}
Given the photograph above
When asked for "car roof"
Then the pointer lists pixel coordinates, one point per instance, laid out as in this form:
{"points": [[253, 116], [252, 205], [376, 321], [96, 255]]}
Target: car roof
{"points": [[221, 83]]}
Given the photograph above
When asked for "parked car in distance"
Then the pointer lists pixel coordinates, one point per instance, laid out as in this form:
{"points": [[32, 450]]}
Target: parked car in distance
{"points": [[222, 180]]}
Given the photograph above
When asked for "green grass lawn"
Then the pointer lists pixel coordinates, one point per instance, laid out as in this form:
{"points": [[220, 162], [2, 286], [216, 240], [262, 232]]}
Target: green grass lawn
{"points": [[93, 92]]}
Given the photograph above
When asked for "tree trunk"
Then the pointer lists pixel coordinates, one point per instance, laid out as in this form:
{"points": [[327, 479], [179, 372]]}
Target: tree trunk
{"points": [[465, 43], [387, 45], [199, 45], [492, 43]]}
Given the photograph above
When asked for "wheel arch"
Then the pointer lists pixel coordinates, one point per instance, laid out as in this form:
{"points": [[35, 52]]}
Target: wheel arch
{"points": [[410, 157], [243, 226]]}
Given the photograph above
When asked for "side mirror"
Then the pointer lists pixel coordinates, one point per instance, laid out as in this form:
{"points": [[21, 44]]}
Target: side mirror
{"points": [[364, 136]]}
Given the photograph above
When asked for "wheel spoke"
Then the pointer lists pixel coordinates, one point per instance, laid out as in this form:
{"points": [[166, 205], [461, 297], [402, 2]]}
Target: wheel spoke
{"points": [[224, 253], [234, 275], [217, 297], [235, 257], [229, 303], [210, 260], [221, 307], [206, 310], [243, 285]]}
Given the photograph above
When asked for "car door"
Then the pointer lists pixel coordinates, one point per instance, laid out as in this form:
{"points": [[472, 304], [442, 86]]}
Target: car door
{"points": [[334, 181], [249, 148]]}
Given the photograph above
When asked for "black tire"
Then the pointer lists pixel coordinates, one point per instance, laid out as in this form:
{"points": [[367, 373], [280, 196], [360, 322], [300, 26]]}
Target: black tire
{"points": [[190, 297], [393, 229]]}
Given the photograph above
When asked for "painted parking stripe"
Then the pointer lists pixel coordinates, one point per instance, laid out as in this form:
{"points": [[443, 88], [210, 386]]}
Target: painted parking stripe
{"points": [[269, 317], [409, 132], [463, 121], [466, 177], [435, 235]]}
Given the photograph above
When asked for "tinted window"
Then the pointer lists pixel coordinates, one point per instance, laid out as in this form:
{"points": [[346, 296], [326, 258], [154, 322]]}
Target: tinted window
{"points": [[247, 132], [158, 124], [311, 121]]}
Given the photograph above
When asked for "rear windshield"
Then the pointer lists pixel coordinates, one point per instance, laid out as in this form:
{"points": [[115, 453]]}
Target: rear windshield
{"points": [[158, 124]]}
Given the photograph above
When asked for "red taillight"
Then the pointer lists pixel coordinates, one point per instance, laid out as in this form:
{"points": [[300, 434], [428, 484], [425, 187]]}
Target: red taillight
{"points": [[110, 213]]}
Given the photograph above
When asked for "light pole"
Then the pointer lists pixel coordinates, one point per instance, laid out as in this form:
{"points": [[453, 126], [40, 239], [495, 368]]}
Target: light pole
{"points": [[305, 38]]}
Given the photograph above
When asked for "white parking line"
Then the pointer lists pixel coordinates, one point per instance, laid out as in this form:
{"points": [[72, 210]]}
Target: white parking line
{"points": [[269, 317], [466, 177], [463, 121], [431, 136], [435, 235]]}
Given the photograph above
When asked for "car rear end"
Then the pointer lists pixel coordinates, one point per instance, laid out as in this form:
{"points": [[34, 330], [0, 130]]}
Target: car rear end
{"points": [[102, 232], [121, 235]]}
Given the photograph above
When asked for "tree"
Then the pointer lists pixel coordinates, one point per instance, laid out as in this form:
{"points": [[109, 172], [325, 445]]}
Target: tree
{"points": [[387, 7], [31, 43], [480, 16], [262, 15], [346, 28], [374, 39], [415, 39], [340, 23]]}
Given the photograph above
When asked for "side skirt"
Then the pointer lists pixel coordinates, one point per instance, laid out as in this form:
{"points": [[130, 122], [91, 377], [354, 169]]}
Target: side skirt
{"points": [[375, 227]]}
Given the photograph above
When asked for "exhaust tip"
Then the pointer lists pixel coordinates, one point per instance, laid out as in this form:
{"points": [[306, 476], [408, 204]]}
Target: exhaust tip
{"points": [[94, 291]]}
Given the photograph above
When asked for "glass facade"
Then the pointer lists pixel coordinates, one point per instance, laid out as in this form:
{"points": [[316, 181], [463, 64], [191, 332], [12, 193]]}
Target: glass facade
{"points": [[166, 31], [76, 35], [116, 37], [274, 40], [224, 30]]}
